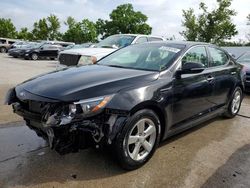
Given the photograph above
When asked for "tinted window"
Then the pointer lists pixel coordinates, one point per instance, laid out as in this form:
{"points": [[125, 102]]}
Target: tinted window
{"points": [[45, 46], [196, 55], [116, 41], [155, 57], [154, 39], [245, 58], [3, 41], [218, 57], [141, 40]]}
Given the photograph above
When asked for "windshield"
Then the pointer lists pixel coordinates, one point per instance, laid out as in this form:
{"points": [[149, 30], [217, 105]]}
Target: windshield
{"points": [[153, 57], [245, 58], [116, 41]]}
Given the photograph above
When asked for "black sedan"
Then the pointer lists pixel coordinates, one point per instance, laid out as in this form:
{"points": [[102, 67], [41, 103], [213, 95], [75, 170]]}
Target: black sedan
{"points": [[132, 99], [42, 51], [244, 59], [19, 52]]}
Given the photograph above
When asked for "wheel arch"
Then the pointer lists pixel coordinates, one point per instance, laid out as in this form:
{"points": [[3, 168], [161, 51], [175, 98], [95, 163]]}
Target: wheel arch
{"points": [[156, 109], [231, 92]]}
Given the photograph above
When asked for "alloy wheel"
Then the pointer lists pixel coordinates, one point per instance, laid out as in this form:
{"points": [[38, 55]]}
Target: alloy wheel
{"points": [[141, 139], [236, 102], [34, 56], [3, 50]]}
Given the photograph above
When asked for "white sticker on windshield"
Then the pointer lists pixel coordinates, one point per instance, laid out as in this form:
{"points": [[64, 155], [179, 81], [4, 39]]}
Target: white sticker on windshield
{"points": [[175, 50]]}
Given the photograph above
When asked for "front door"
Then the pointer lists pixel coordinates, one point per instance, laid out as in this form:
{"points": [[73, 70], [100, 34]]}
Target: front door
{"points": [[192, 92]]}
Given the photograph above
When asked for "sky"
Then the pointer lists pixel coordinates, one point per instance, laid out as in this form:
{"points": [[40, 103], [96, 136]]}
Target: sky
{"points": [[164, 16]]}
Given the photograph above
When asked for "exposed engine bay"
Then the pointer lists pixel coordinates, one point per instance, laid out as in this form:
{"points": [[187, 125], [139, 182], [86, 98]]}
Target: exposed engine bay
{"points": [[70, 127]]}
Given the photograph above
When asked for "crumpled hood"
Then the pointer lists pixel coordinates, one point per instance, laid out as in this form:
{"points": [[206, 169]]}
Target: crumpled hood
{"points": [[90, 51], [84, 82]]}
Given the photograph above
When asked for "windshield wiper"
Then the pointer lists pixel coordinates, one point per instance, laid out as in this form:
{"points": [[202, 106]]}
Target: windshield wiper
{"points": [[106, 46], [117, 66]]}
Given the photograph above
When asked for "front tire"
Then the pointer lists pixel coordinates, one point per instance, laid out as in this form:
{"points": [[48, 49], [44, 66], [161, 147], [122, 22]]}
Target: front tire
{"points": [[138, 140], [3, 50], [34, 56], [235, 103]]}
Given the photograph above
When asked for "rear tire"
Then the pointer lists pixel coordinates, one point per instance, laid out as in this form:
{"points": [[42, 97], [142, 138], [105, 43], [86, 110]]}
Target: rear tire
{"points": [[234, 104], [138, 140], [3, 50]]}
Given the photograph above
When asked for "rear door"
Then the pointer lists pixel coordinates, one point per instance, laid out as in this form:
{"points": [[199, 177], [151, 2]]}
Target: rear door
{"points": [[192, 92], [54, 50], [224, 75], [50, 51]]}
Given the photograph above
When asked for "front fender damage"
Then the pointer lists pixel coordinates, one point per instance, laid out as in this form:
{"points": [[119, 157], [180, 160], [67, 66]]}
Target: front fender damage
{"points": [[66, 132], [96, 131]]}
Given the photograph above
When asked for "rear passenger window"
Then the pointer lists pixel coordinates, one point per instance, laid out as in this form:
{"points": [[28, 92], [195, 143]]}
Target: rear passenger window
{"points": [[196, 55], [141, 40], [218, 57], [154, 39]]}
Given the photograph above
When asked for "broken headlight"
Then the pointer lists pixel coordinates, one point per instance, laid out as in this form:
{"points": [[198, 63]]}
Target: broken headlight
{"points": [[91, 106], [85, 108]]}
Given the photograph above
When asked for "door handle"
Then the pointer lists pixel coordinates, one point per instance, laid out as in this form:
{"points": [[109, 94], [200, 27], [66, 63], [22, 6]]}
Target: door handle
{"points": [[210, 78], [233, 73]]}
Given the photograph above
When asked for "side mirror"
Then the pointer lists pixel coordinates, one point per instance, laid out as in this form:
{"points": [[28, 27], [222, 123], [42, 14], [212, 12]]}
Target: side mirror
{"points": [[190, 68], [41, 48]]}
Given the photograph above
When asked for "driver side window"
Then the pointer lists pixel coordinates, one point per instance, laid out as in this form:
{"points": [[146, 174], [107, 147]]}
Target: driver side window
{"points": [[196, 55]]}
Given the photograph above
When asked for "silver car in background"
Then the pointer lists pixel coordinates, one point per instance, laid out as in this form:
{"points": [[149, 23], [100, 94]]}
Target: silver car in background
{"points": [[92, 54]]}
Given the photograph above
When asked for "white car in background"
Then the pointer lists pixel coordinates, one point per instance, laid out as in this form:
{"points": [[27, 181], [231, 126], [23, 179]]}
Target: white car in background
{"points": [[84, 56]]}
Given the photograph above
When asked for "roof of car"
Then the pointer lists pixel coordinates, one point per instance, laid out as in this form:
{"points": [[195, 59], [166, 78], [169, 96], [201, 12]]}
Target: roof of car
{"points": [[186, 43], [141, 35]]}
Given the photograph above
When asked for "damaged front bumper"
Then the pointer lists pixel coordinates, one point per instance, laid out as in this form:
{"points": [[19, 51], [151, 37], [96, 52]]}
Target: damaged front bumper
{"points": [[66, 133]]}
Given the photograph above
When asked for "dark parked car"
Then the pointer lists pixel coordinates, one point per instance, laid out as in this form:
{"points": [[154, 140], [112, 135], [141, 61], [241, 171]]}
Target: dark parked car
{"points": [[132, 99], [20, 51], [43, 51], [19, 44], [244, 59]]}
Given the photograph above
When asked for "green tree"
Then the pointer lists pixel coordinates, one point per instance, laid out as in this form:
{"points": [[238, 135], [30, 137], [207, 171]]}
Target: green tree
{"points": [[53, 26], [100, 27], [40, 30], [24, 34], [80, 32], [70, 22], [47, 28], [213, 26], [124, 19], [7, 28], [190, 24]]}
